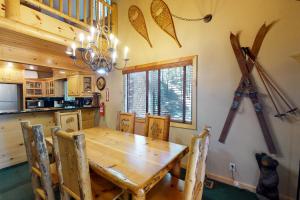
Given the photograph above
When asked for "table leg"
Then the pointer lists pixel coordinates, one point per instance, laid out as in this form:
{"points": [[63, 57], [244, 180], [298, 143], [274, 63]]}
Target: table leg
{"points": [[176, 170], [139, 196]]}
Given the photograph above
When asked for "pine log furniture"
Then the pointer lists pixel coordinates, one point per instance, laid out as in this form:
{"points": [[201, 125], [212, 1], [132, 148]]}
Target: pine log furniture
{"points": [[75, 178], [126, 122], [157, 127], [43, 174], [69, 121], [132, 162], [171, 188]]}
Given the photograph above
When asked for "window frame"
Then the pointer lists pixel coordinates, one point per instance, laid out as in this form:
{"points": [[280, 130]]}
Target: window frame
{"points": [[179, 62]]}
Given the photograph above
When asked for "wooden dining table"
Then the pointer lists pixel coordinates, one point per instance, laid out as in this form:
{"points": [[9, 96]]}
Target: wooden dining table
{"points": [[132, 162]]}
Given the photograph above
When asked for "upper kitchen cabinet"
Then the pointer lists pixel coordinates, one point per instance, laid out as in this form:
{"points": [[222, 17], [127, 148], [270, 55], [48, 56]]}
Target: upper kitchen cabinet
{"points": [[54, 88], [34, 88], [81, 85], [73, 85]]}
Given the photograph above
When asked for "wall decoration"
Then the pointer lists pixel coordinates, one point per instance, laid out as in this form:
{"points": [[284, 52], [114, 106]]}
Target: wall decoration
{"points": [[137, 20], [101, 83], [163, 18], [246, 59]]}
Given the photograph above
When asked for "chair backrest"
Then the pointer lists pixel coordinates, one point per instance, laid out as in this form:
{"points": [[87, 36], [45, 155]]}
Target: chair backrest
{"points": [[72, 164], [194, 180], [157, 127], [126, 122], [69, 121], [38, 160]]}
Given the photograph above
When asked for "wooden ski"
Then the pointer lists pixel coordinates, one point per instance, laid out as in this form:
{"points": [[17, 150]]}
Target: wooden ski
{"points": [[239, 91], [246, 83]]}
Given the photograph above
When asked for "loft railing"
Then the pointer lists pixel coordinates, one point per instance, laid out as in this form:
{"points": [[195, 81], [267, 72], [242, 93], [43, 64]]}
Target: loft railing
{"points": [[79, 13]]}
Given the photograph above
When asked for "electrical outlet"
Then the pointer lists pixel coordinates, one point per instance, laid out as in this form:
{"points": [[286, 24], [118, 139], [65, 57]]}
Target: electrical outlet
{"points": [[232, 167]]}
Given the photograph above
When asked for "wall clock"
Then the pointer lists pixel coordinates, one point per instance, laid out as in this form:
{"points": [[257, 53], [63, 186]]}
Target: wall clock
{"points": [[101, 83]]}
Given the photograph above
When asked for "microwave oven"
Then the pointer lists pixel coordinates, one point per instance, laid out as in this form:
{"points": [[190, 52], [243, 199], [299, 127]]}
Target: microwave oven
{"points": [[30, 104]]}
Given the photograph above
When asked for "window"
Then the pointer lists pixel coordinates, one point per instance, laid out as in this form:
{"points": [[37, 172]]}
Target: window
{"points": [[162, 89]]}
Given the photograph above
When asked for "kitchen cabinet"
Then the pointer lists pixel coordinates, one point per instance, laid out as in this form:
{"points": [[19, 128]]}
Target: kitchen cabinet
{"points": [[34, 88], [54, 88], [87, 83], [49, 88], [81, 85], [73, 85]]}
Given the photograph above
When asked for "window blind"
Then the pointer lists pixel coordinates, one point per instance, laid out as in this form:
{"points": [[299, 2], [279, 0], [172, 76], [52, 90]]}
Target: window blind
{"points": [[166, 91]]}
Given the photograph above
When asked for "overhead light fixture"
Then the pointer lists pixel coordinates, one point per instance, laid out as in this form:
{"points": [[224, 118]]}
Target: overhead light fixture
{"points": [[94, 53], [62, 72], [10, 65], [31, 67]]}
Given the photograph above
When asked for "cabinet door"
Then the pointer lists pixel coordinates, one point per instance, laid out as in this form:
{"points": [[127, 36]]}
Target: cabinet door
{"points": [[59, 88], [73, 85], [87, 85]]}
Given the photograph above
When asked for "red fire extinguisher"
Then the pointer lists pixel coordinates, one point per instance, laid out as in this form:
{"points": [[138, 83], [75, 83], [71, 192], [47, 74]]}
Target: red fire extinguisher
{"points": [[102, 109]]}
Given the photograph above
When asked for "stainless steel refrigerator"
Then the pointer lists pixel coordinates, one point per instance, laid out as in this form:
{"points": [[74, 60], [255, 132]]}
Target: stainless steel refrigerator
{"points": [[10, 97]]}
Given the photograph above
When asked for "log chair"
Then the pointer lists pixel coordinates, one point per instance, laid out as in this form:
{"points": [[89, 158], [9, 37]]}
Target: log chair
{"points": [[157, 127], [171, 188], [75, 178], [43, 174], [126, 122], [69, 121]]}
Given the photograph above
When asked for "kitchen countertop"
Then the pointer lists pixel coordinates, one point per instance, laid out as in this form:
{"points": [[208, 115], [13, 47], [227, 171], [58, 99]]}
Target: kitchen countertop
{"points": [[9, 112]]}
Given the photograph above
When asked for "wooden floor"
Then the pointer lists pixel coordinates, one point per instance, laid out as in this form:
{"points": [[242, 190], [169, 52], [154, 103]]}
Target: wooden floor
{"points": [[15, 185]]}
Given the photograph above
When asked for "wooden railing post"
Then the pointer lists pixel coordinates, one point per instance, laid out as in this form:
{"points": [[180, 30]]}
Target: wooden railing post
{"points": [[12, 10], [114, 18]]}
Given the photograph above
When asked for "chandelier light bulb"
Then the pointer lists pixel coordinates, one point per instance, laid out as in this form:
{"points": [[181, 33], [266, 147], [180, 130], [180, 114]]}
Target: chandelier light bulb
{"points": [[114, 57], [81, 39], [111, 37], [126, 50], [92, 30], [74, 48], [116, 41], [92, 55]]}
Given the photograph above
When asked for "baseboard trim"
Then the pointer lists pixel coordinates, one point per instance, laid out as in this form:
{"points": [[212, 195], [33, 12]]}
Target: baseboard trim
{"points": [[230, 181]]}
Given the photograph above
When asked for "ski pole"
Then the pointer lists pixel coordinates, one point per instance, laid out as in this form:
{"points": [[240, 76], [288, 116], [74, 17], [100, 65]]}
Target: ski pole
{"points": [[279, 114], [291, 109]]}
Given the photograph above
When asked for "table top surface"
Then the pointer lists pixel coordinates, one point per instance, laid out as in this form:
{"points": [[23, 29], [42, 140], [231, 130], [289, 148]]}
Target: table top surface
{"points": [[132, 158]]}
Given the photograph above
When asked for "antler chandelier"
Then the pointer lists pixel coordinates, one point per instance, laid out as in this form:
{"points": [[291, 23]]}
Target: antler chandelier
{"points": [[98, 50]]}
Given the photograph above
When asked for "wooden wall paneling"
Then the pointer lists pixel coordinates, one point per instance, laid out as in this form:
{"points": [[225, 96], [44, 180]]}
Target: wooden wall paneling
{"points": [[2, 8], [85, 11], [34, 57], [11, 75], [11, 25], [114, 18], [92, 11], [47, 23], [12, 9], [12, 149]]}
